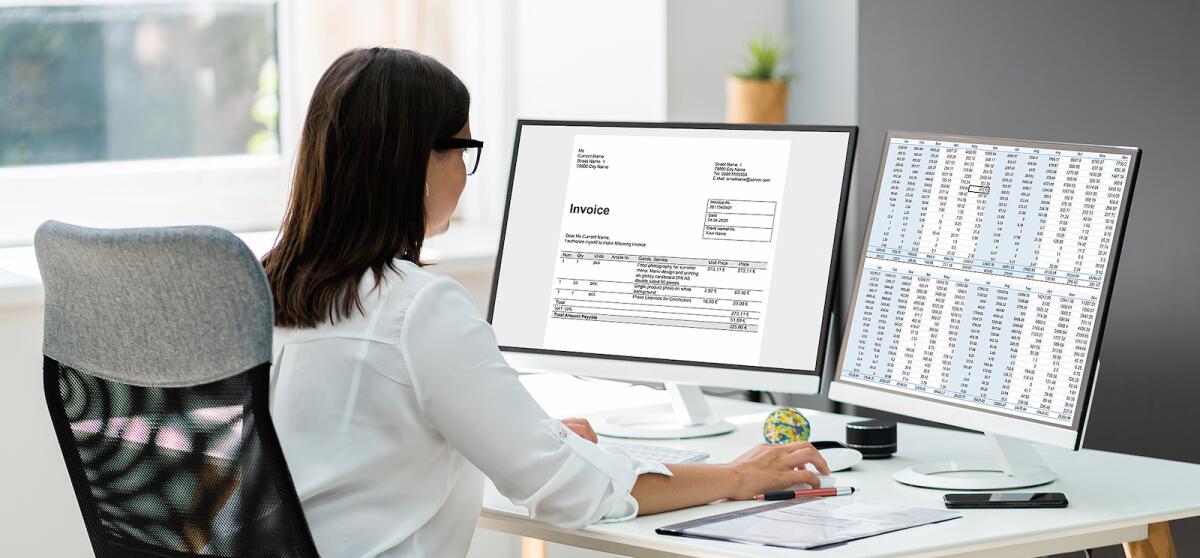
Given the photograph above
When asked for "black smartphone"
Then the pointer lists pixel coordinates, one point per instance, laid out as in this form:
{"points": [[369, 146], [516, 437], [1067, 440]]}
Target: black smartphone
{"points": [[980, 500]]}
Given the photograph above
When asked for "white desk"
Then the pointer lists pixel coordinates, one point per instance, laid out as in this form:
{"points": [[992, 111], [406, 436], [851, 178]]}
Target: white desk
{"points": [[1101, 512]]}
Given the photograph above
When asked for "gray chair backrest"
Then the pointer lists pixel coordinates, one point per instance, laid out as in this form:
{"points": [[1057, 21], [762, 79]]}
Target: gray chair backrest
{"points": [[161, 307], [157, 353]]}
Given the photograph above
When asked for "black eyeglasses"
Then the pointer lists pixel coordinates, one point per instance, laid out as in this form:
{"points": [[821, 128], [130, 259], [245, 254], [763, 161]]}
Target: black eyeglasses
{"points": [[472, 148]]}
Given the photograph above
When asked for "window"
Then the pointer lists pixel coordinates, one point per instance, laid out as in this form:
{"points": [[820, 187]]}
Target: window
{"points": [[119, 113], [79, 81], [139, 113]]}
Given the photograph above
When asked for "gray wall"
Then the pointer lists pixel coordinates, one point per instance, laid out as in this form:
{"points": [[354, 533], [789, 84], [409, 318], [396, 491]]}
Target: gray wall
{"points": [[1108, 72], [823, 57]]}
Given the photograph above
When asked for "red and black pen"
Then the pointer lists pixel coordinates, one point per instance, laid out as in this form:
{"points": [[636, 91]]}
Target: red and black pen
{"points": [[789, 494]]}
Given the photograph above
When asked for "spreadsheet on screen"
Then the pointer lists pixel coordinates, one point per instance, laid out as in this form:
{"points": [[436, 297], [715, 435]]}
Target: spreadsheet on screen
{"points": [[983, 273]]}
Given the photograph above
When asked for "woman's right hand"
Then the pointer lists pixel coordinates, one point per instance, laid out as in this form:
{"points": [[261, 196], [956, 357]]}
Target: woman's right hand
{"points": [[768, 467], [762, 469]]}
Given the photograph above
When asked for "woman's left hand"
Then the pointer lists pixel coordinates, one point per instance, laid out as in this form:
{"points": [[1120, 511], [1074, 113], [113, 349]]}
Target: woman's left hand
{"points": [[581, 427]]}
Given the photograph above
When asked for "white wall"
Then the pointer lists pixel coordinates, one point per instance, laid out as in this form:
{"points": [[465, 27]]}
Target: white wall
{"points": [[590, 60], [38, 516], [824, 57]]}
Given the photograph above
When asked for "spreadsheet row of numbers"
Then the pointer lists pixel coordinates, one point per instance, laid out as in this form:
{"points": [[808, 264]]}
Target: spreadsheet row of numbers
{"points": [[1039, 215]]}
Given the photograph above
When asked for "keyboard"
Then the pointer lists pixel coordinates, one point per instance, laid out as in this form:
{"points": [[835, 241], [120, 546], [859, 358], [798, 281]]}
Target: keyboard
{"points": [[660, 454]]}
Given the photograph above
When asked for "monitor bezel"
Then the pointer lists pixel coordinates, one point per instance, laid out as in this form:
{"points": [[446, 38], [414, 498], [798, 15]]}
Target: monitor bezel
{"points": [[822, 346], [964, 416]]}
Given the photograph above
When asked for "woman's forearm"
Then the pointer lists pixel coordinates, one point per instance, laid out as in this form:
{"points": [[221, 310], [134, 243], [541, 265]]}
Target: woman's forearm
{"points": [[691, 485], [764, 467]]}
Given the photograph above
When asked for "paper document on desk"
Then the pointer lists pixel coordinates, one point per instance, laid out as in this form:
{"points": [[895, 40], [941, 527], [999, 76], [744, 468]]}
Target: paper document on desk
{"points": [[808, 523]]}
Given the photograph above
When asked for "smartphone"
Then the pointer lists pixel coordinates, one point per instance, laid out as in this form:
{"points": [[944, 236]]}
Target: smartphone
{"points": [[1006, 500]]}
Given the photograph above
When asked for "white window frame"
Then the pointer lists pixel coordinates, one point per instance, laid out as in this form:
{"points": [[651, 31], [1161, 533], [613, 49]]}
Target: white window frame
{"points": [[237, 192]]}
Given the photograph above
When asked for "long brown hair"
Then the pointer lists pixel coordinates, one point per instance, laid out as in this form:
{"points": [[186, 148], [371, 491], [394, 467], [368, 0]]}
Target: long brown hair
{"points": [[358, 193]]}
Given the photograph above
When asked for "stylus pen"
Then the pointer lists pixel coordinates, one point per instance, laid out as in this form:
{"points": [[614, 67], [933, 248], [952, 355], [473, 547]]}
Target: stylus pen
{"points": [[789, 494]]}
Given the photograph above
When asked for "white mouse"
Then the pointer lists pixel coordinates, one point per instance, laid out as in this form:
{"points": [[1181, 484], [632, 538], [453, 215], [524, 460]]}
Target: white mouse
{"points": [[837, 456], [825, 480]]}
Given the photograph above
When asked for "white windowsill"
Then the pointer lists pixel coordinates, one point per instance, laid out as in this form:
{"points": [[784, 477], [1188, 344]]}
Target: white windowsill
{"points": [[465, 249]]}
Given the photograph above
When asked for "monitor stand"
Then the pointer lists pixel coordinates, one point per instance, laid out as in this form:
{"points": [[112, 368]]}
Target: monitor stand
{"points": [[688, 416], [1018, 465]]}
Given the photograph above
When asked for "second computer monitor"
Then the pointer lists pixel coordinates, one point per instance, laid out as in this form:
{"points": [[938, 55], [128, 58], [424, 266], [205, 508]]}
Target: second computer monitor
{"points": [[692, 253], [984, 283]]}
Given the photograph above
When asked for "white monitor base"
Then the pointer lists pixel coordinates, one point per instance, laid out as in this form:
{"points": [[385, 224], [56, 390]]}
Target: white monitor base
{"points": [[688, 416], [1018, 466], [935, 475]]}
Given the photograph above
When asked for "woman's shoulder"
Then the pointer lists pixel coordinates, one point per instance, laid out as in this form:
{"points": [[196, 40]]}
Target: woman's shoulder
{"points": [[407, 277], [409, 282], [383, 305]]}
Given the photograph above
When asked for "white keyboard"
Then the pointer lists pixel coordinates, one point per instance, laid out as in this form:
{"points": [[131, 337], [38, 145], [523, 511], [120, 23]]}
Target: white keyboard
{"points": [[660, 454]]}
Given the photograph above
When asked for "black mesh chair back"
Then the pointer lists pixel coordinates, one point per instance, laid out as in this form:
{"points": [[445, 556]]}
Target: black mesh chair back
{"points": [[157, 354]]}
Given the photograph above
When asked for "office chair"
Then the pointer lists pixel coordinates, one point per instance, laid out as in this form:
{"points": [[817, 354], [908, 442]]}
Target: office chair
{"points": [[157, 354]]}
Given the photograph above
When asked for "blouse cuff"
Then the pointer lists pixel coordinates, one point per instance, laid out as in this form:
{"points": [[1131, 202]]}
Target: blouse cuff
{"points": [[620, 467]]}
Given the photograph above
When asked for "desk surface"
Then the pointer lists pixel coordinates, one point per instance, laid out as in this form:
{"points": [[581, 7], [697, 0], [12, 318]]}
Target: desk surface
{"points": [[1100, 512]]}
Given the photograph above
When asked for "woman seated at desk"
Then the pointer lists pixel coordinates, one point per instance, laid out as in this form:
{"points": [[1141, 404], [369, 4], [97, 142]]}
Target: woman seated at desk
{"points": [[391, 398]]}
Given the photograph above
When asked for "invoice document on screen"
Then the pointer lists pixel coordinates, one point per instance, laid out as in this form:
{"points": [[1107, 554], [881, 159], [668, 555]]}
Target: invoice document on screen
{"points": [[669, 245]]}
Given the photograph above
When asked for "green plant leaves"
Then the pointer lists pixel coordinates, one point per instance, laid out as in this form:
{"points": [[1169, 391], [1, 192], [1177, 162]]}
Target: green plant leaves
{"points": [[766, 58]]}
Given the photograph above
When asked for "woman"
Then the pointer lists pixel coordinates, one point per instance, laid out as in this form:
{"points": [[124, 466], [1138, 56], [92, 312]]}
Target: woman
{"points": [[390, 396]]}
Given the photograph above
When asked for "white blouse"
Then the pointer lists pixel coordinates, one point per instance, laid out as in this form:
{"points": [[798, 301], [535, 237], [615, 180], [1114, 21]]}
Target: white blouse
{"points": [[388, 418]]}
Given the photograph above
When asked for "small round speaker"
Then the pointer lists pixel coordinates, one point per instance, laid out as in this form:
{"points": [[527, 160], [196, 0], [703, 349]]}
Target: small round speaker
{"points": [[875, 439]]}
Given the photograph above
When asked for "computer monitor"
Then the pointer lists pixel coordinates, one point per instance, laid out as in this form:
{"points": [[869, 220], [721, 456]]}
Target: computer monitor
{"points": [[982, 292], [688, 254]]}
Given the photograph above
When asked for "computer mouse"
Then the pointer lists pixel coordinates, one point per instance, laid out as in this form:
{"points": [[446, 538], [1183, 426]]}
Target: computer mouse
{"points": [[826, 481], [838, 456]]}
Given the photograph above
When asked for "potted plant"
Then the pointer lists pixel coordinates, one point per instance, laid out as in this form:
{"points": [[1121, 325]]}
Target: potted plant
{"points": [[759, 94]]}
